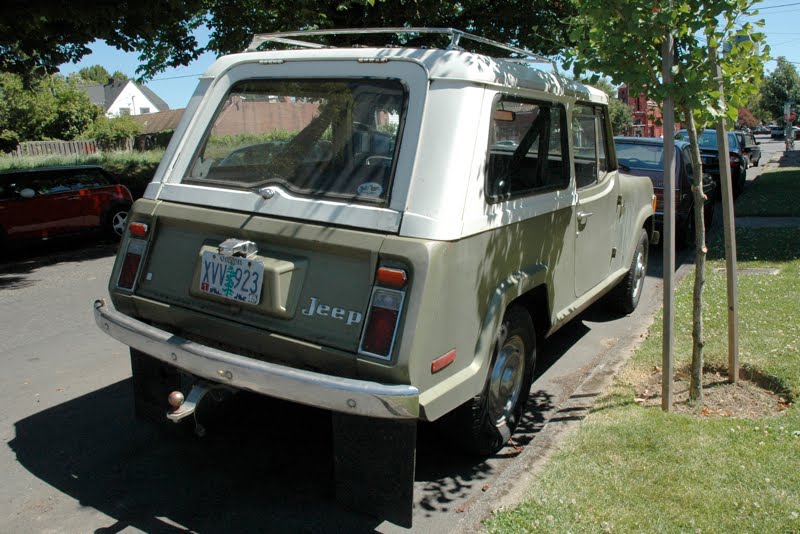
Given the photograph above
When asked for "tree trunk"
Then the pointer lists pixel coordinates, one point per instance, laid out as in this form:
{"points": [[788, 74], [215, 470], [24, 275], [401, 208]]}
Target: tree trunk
{"points": [[696, 385]]}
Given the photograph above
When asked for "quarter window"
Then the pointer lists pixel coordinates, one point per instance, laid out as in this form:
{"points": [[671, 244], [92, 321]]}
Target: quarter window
{"points": [[526, 148]]}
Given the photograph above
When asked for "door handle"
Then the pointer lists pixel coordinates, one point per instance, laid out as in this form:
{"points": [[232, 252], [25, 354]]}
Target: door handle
{"points": [[583, 216]]}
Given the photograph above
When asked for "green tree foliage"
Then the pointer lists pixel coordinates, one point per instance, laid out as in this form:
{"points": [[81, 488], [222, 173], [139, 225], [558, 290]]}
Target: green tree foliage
{"points": [[621, 115], [36, 37], [99, 74], [51, 108], [781, 85], [623, 39], [95, 73], [110, 132], [39, 36]]}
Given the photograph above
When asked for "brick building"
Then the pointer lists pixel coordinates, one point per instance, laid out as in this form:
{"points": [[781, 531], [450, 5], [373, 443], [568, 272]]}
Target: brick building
{"points": [[646, 114]]}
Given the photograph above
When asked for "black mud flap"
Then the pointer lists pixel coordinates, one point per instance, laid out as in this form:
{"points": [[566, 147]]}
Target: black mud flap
{"points": [[374, 463]]}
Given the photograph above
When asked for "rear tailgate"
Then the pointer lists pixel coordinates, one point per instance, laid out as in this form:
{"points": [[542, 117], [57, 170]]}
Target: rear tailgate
{"points": [[315, 284]]}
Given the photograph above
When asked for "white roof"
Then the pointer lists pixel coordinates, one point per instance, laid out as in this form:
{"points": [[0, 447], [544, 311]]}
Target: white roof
{"points": [[440, 64]]}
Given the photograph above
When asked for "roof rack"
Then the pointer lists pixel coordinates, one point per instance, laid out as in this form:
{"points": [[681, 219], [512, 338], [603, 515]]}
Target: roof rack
{"points": [[455, 39]]}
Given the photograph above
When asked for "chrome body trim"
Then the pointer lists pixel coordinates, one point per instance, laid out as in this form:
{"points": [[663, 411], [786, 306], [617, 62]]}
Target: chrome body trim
{"points": [[345, 395]]}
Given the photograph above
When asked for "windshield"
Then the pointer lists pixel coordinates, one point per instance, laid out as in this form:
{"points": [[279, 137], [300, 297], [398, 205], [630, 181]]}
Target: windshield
{"points": [[707, 139], [333, 138]]}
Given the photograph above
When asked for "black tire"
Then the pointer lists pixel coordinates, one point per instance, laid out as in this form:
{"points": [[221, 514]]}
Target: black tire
{"points": [[484, 424], [684, 234], [115, 220], [626, 295], [738, 187], [153, 381], [708, 214]]}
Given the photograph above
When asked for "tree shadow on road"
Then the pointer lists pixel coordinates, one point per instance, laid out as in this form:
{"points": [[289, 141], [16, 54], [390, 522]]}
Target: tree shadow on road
{"points": [[266, 465]]}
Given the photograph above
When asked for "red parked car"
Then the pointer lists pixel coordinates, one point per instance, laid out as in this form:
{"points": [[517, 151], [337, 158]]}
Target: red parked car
{"points": [[52, 201]]}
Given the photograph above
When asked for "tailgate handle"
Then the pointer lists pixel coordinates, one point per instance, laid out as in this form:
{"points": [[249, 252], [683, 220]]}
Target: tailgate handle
{"points": [[237, 247]]}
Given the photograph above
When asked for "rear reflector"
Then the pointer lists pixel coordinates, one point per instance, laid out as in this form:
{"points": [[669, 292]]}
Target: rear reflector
{"points": [[382, 321], [443, 361], [137, 229], [130, 265], [389, 277]]}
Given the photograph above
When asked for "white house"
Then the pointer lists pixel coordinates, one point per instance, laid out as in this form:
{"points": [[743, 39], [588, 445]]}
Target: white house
{"points": [[120, 97]]}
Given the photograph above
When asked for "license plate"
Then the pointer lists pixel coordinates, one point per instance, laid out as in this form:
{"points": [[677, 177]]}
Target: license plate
{"points": [[231, 277]]}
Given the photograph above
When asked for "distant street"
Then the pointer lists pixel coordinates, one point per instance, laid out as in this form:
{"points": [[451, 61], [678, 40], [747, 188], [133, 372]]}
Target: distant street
{"points": [[75, 460]]}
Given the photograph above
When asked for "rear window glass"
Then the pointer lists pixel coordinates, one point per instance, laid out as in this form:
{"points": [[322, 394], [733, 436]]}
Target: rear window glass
{"points": [[332, 138], [640, 156], [707, 139]]}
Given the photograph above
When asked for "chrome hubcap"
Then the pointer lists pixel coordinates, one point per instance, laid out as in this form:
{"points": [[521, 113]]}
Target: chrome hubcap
{"points": [[505, 383], [639, 272], [118, 222]]}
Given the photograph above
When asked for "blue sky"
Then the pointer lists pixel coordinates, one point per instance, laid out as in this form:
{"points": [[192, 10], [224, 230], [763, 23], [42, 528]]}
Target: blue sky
{"points": [[175, 86]]}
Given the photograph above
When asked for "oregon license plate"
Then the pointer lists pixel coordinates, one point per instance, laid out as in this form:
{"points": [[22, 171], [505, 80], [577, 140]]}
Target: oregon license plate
{"points": [[231, 277]]}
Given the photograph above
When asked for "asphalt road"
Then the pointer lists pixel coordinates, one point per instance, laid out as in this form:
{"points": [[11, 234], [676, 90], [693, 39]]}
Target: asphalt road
{"points": [[75, 460]]}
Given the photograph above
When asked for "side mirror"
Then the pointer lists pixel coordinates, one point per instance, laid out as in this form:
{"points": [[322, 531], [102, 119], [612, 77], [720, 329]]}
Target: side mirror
{"points": [[27, 193]]}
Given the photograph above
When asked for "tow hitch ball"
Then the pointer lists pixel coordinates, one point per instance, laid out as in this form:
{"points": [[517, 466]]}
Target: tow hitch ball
{"points": [[184, 407]]}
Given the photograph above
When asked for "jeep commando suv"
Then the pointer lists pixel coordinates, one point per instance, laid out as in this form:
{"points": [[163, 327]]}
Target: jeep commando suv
{"points": [[386, 233]]}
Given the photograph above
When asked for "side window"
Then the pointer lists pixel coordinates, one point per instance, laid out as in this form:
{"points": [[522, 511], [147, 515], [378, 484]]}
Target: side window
{"points": [[526, 148], [602, 140], [92, 178], [590, 141], [584, 145]]}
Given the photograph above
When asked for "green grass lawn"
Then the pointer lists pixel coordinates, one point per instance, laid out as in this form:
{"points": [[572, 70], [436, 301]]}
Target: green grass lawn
{"points": [[636, 469], [773, 194]]}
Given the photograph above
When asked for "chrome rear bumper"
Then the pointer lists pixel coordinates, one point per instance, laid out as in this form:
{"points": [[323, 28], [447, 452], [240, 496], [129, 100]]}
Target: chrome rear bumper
{"points": [[346, 395]]}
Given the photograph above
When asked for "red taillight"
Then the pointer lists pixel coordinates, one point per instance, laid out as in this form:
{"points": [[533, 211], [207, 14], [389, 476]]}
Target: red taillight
{"points": [[658, 196], [137, 229], [382, 320], [389, 277], [734, 159], [130, 265]]}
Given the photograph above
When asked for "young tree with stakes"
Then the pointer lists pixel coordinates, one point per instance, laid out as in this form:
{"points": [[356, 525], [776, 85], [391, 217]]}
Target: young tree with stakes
{"points": [[623, 40]]}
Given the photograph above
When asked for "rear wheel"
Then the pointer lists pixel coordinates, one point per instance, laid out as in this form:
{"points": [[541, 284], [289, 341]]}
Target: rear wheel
{"points": [[625, 297], [486, 422]]}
